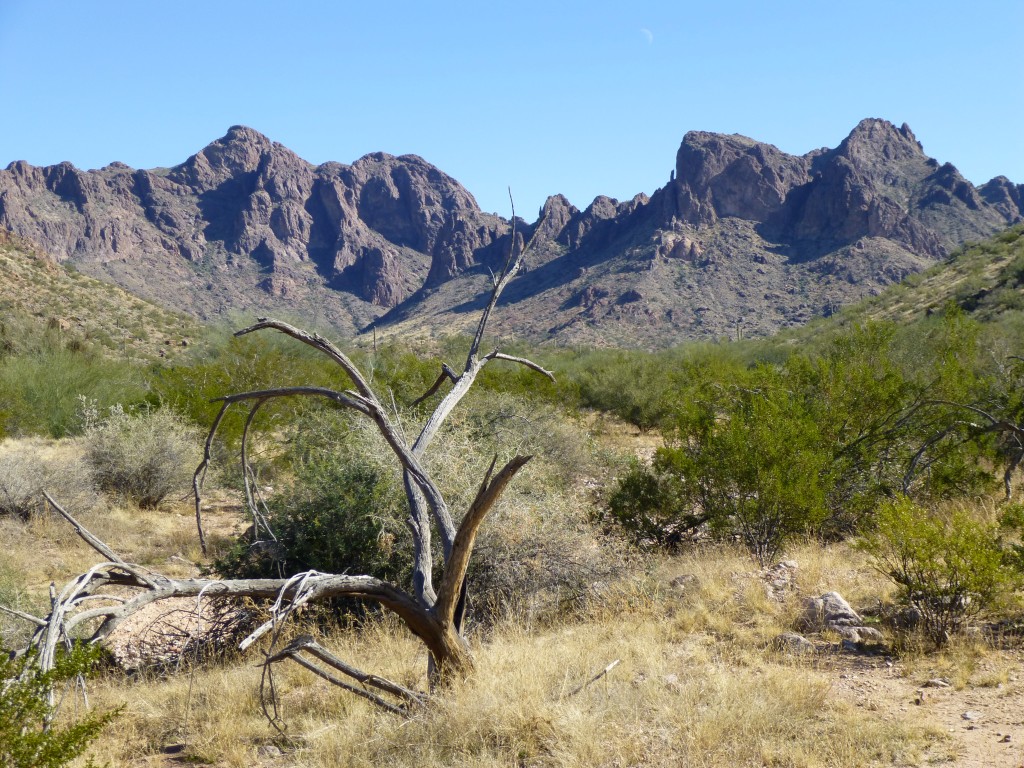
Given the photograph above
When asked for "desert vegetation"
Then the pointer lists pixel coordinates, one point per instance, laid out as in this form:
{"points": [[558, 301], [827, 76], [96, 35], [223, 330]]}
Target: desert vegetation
{"points": [[637, 595]]}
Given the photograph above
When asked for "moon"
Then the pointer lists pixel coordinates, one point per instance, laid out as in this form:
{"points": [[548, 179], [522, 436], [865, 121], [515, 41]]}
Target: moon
{"points": [[647, 34]]}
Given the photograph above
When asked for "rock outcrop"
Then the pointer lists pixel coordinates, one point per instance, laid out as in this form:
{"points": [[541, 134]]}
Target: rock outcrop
{"points": [[744, 239], [248, 207]]}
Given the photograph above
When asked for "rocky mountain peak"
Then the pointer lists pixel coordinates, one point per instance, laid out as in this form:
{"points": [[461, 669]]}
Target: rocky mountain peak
{"points": [[238, 153], [875, 139], [718, 175]]}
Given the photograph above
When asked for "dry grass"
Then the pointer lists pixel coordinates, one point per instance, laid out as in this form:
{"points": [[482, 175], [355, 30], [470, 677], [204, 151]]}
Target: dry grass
{"points": [[698, 685], [672, 701]]}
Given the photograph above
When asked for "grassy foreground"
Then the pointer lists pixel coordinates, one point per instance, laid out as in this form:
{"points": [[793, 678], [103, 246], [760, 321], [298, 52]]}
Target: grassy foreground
{"points": [[699, 682]]}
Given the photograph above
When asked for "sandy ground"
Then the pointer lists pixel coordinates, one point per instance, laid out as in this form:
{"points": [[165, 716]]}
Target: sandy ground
{"points": [[985, 723]]}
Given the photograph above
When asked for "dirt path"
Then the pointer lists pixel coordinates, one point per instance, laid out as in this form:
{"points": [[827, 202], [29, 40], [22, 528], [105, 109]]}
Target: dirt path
{"points": [[984, 720]]}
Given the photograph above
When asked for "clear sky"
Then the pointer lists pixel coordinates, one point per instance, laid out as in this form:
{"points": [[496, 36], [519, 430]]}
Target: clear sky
{"points": [[582, 98]]}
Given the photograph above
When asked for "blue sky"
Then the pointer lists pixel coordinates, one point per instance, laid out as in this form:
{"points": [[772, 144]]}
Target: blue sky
{"points": [[582, 98]]}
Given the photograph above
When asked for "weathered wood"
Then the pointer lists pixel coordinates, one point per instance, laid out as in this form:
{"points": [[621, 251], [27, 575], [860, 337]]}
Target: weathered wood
{"points": [[83, 532], [434, 617], [457, 564], [593, 679]]}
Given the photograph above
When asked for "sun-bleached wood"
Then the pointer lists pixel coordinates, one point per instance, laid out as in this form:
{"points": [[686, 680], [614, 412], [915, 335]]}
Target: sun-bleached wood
{"points": [[435, 616]]}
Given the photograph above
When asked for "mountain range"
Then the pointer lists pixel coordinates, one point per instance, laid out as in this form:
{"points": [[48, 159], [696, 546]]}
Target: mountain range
{"points": [[742, 239]]}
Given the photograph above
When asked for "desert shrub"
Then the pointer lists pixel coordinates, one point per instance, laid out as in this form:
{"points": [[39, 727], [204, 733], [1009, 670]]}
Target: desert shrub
{"points": [[634, 386], [651, 505], [144, 455], [27, 738], [340, 514], [812, 443], [39, 390], [744, 457], [948, 566], [30, 466], [343, 508]]}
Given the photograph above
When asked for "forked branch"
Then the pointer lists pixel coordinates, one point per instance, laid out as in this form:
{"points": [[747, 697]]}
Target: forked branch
{"points": [[98, 601]]}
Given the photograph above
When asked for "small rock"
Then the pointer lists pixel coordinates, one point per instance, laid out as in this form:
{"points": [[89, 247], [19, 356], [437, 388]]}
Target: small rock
{"points": [[906, 618], [1005, 739], [829, 611], [779, 579], [683, 582], [869, 635], [937, 682], [970, 715], [850, 634], [791, 642]]}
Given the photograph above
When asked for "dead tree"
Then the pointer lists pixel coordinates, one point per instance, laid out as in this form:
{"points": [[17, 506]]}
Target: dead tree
{"points": [[433, 612]]}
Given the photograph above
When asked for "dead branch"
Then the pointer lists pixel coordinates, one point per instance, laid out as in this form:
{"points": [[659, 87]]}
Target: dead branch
{"points": [[21, 615], [458, 562], [199, 477], [594, 679], [249, 480], [309, 645], [293, 654], [496, 355], [447, 374], [80, 529]]}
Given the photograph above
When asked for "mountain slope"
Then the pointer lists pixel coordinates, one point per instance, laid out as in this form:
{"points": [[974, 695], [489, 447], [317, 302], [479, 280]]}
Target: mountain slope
{"points": [[38, 296], [744, 239], [985, 279]]}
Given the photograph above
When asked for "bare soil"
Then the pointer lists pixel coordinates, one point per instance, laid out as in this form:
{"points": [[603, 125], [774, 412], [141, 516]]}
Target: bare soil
{"points": [[984, 722]]}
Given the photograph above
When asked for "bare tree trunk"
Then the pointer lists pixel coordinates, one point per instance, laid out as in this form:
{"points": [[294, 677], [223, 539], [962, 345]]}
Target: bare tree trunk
{"points": [[97, 598]]}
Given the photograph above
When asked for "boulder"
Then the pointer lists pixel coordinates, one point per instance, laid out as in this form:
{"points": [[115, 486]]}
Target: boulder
{"points": [[832, 613]]}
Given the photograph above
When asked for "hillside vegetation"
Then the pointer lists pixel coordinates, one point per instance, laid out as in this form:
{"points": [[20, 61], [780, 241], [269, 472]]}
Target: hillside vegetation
{"points": [[39, 296]]}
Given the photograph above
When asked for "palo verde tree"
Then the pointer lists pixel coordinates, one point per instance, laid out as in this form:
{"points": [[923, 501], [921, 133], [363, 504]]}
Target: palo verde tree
{"points": [[433, 611]]}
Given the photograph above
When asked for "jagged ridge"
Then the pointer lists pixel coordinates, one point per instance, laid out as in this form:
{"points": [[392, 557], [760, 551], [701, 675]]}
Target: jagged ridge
{"points": [[743, 237]]}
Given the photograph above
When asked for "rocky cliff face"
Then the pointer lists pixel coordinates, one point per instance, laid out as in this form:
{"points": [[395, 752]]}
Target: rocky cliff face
{"points": [[743, 238], [247, 222]]}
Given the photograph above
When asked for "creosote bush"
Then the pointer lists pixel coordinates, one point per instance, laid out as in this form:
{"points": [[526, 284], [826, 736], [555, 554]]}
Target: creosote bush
{"points": [[811, 445], [25, 711], [340, 513], [142, 456], [948, 565]]}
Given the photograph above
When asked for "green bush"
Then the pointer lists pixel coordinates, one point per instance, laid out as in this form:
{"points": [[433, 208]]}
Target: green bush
{"points": [[745, 457], [949, 567], [142, 456], [341, 514], [27, 739], [40, 390], [652, 506]]}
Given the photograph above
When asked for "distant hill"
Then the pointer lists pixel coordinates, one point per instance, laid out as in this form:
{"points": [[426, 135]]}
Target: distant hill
{"points": [[39, 296], [743, 239]]}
